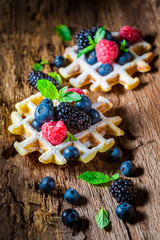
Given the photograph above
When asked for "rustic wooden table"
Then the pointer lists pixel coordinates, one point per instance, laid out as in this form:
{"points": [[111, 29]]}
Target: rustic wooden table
{"points": [[27, 35]]}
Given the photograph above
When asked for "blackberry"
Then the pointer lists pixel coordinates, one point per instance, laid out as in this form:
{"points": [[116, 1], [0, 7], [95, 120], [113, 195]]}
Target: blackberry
{"points": [[34, 76], [123, 191], [72, 116]]}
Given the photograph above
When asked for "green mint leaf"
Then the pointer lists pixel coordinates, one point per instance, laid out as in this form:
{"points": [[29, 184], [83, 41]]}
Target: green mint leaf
{"points": [[43, 62], [102, 218], [62, 91], [123, 44], [115, 177], [99, 34], [122, 47], [108, 178], [38, 67], [70, 137], [93, 177], [90, 40], [71, 96], [47, 89], [125, 50], [56, 76], [63, 32], [85, 50]]}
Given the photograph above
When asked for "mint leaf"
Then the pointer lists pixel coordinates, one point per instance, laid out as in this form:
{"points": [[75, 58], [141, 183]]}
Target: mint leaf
{"points": [[38, 67], [71, 97], [115, 177], [102, 218], [47, 89], [56, 76], [85, 50], [63, 32], [90, 40], [43, 62], [93, 177], [62, 91], [99, 34], [70, 138], [122, 47]]}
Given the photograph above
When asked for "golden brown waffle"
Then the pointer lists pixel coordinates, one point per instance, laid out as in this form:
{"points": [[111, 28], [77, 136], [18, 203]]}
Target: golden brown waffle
{"points": [[86, 73], [90, 141]]}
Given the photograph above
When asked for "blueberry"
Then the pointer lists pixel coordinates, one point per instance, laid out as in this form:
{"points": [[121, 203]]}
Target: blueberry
{"points": [[84, 104], [91, 57], [108, 35], [70, 217], [47, 101], [125, 212], [58, 61], [37, 125], [128, 168], [126, 45], [47, 185], [94, 115], [105, 69], [44, 113], [71, 153], [71, 196], [124, 58], [115, 154]]}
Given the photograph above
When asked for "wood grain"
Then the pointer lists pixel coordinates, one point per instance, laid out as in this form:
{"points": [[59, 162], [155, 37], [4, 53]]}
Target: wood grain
{"points": [[26, 35]]}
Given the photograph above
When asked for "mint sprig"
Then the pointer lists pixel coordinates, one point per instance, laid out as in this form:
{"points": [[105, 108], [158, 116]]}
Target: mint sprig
{"points": [[40, 66], [48, 90], [102, 218], [70, 137], [100, 34], [123, 46], [63, 32], [56, 76], [97, 178]]}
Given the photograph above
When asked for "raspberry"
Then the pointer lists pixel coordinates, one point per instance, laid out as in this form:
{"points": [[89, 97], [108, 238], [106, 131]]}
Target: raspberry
{"points": [[77, 90], [54, 132], [132, 35], [106, 51]]}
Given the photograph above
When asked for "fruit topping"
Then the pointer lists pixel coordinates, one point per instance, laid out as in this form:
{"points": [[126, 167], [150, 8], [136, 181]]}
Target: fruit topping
{"points": [[71, 196], [106, 51], [73, 116], [44, 113], [71, 153], [124, 57], [91, 57], [59, 61], [115, 154], [77, 90], [84, 104], [37, 75], [47, 101], [54, 132], [94, 115], [123, 191], [70, 217], [47, 185], [128, 168], [132, 35], [125, 212], [37, 125], [105, 69]]}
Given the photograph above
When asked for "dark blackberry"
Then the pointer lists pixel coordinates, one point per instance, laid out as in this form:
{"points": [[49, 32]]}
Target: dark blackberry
{"points": [[34, 76], [72, 116], [123, 191]]}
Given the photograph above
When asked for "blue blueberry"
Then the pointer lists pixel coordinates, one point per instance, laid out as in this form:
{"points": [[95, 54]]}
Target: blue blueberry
{"points": [[105, 69], [70, 217], [94, 115], [44, 113], [71, 153], [125, 212], [37, 125], [91, 57], [124, 58], [115, 154], [47, 101], [47, 185], [84, 104], [59, 61], [71, 196], [128, 168], [108, 35]]}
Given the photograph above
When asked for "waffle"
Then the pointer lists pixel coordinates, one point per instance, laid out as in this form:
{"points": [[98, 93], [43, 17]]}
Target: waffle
{"points": [[86, 73], [90, 141]]}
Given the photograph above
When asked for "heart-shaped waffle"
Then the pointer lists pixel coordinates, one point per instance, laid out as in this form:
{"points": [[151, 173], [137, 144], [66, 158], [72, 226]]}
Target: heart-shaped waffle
{"points": [[90, 141]]}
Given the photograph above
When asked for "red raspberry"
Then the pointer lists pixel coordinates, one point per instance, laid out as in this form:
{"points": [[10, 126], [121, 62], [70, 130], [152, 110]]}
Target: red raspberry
{"points": [[106, 51], [77, 90], [132, 35], [54, 132]]}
